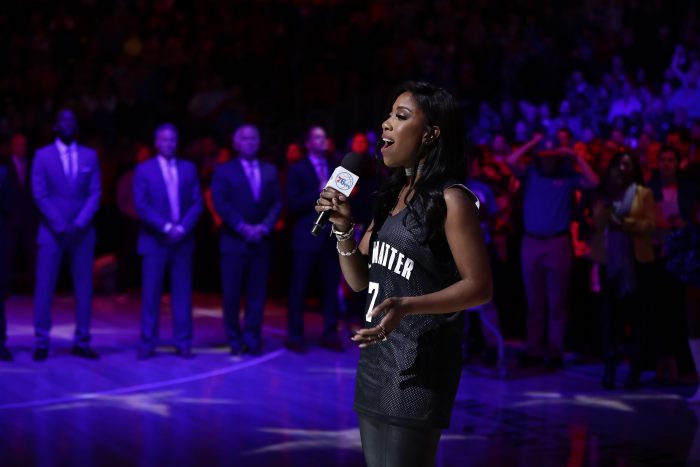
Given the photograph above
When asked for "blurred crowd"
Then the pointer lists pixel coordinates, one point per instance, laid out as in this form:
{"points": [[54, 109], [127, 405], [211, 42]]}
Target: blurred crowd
{"points": [[582, 82]]}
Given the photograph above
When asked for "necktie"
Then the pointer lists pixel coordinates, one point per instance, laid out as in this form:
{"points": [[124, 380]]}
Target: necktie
{"points": [[254, 178], [72, 164], [322, 171], [172, 186]]}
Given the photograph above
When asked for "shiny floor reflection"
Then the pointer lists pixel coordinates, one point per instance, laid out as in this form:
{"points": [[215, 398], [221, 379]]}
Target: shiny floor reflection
{"points": [[283, 409]]}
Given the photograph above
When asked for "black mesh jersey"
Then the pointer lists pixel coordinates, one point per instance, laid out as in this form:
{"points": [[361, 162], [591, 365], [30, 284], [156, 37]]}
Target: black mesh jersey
{"points": [[412, 377]]}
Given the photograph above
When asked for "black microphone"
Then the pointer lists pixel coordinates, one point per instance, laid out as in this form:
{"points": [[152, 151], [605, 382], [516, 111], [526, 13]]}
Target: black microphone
{"points": [[343, 179]]}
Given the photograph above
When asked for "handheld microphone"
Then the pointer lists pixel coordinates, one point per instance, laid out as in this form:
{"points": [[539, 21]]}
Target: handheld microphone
{"points": [[343, 179]]}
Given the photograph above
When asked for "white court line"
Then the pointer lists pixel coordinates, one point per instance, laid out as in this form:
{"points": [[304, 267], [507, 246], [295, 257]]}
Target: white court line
{"points": [[144, 387]]}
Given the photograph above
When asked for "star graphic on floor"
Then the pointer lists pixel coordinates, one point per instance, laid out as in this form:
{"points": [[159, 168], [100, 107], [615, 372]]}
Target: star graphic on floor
{"points": [[156, 403]]}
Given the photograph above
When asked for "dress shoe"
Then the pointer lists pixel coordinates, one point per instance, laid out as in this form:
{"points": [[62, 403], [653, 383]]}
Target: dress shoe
{"points": [[253, 348], [144, 353], [332, 342], [184, 352], [296, 345], [40, 355], [85, 352], [236, 348], [5, 354]]}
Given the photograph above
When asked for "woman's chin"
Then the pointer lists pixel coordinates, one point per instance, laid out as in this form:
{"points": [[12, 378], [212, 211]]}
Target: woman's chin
{"points": [[390, 161]]}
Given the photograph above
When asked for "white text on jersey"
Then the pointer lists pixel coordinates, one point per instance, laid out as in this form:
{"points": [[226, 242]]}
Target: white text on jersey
{"points": [[392, 259]]}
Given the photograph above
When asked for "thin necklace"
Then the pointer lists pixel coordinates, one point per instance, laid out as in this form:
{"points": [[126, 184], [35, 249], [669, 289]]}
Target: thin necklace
{"points": [[393, 211]]}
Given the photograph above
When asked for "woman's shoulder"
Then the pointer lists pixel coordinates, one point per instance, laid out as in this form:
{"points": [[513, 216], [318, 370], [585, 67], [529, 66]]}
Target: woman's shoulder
{"points": [[643, 191], [460, 192]]}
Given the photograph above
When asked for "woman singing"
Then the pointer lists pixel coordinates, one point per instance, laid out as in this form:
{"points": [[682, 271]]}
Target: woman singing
{"points": [[422, 261]]}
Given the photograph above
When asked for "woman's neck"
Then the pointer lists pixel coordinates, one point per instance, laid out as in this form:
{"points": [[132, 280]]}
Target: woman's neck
{"points": [[618, 190], [413, 174]]}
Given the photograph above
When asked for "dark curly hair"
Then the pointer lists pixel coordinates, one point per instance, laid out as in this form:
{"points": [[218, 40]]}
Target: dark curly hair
{"points": [[612, 165], [444, 159]]}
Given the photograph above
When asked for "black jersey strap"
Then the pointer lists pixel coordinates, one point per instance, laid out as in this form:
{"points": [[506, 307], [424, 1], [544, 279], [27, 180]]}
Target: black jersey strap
{"points": [[469, 193]]}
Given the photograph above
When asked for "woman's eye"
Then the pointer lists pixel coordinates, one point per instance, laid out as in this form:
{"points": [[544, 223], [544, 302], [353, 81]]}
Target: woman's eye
{"points": [[402, 117]]}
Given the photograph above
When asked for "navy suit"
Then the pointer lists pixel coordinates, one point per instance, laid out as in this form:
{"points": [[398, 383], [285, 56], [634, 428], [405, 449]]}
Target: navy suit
{"points": [[65, 204], [309, 252], [244, 262], [153, 207], [4, 211]]}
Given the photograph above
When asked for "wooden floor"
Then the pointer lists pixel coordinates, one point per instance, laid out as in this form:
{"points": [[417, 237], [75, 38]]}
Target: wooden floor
{"points": [[284, 409]]}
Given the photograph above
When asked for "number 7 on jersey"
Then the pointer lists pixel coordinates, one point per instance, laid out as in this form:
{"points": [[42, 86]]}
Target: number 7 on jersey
{"points": [[374, 290]]}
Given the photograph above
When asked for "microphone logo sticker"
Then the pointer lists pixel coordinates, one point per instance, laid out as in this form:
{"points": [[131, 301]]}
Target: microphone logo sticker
{"points": [[344, 181]]}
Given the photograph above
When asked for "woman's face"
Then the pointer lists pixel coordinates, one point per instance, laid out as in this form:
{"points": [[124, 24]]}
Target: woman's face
{"points": [[625, 170], [402, 132]]}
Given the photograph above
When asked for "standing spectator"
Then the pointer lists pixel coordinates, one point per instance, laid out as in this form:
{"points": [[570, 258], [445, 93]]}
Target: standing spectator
{"points": [[547, 257], [624, 218], [66, 187], [305, 179], [246, 194], [168, 201], [24, 217], [675, 200]]}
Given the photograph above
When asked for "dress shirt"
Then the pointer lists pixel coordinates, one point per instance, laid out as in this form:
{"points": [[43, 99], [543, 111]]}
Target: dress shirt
{"points": [[252, 171], [69, 159], [170, 176]]}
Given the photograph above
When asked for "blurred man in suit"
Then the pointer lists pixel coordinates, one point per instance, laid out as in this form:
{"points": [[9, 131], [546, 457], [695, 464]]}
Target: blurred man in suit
{"points": [[5, 354], [305, 180], [66, 188], [246, 195], [168, 201], [20, 243]]}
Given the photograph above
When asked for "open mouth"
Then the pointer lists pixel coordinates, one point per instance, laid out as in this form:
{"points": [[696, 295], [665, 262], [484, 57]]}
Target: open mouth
{"points": [[386, 143]]}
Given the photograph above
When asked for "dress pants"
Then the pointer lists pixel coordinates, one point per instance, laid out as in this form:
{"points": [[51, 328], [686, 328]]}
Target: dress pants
{"points": [[304, 264], [154, 266], [634, 309], [80, 251], [546, 264], [247, 269]]}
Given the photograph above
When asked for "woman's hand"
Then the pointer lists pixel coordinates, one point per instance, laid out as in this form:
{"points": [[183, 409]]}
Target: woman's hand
{"points": [[394, 309], [332, 199]]}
